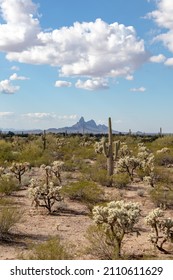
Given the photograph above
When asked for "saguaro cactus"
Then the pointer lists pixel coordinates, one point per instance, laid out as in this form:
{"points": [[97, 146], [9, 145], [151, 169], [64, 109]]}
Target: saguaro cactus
{"points": [[44, 139], [108, 149]]}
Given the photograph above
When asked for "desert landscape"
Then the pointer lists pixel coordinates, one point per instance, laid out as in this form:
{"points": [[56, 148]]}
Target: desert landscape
{"points": [[86, 196]]}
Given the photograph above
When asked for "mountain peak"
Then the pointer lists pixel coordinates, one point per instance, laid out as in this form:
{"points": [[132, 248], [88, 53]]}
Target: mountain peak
{"points": [[82, 120]]}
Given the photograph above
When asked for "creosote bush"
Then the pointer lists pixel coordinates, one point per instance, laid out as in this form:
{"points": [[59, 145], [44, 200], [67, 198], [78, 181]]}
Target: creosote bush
{"points": [[9, 216], [8, 184], [121, 180], [99, 245], [49, 250], [87, 192]]}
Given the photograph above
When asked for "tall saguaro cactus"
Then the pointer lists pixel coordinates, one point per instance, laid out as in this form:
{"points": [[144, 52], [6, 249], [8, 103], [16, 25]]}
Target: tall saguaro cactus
{"points": [[108, 149]]}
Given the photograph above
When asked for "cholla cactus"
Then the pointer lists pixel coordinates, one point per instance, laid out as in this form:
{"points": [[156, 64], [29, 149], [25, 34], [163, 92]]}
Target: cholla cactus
{"points": [[53, 170], [117, 219], [128, 164], [44, 195], [46, 191], [146, 159], [162, 228], [18, 169]]}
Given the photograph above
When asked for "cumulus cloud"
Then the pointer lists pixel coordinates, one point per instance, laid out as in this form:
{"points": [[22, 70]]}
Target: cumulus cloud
{"points": [[15, 68], [68, 117], [15, 77], [42, 116], [93, 84], [90, 49], [62, 84], [163, 18], [94, 50], [157, 58], [169, 62], [140, 89], [7, 87], [39, 116], [6, 114], [21, 28]]}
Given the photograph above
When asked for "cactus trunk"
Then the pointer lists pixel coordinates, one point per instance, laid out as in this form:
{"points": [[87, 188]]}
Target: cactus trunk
{"points": [[110, 160]]}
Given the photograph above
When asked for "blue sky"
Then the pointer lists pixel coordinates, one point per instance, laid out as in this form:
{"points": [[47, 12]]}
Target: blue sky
{"points": [[60, 60]]}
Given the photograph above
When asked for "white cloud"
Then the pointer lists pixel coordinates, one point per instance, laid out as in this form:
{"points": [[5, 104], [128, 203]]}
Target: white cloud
{"points": [[90, 49], [15, 68], [15, 77], [93, 84], [68, 117], [129, 77], [7, 88], [163, 18], [158, 58], [140, 89], [39, 116], [62, 84], [6, 114], [169, 61], [21, 28]]}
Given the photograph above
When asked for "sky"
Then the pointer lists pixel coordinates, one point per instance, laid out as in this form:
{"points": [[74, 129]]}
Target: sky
{"points": [[60, 60]]}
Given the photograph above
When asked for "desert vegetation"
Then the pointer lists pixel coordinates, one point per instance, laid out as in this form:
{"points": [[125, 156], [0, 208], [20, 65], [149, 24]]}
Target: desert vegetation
{"points": [[86, 196]]}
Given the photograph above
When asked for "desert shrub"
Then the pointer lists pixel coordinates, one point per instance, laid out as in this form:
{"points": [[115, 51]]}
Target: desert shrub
{"points": [[6, 152], [166, 141], [116, 219], [164, 158], [99, 246], [87, 192], [8, 184], [121, 180], [49, 250], [100, 176], [162, 196], [35, 155], [69, 165], [9, 216]]}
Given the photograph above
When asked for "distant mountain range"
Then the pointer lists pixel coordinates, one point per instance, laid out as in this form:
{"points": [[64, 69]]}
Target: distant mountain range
{"points": [[82, 126]]}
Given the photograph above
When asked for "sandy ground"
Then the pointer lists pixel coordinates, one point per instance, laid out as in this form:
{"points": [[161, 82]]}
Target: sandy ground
{"points": [[71, 225]]}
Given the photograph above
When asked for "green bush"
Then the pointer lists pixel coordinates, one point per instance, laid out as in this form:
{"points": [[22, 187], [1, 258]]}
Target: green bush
{"points": [[121, 180], [49, 250], [164, 158], [6, 152], [162, 196], [9, 216], [8, 185], [85, 191]]}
